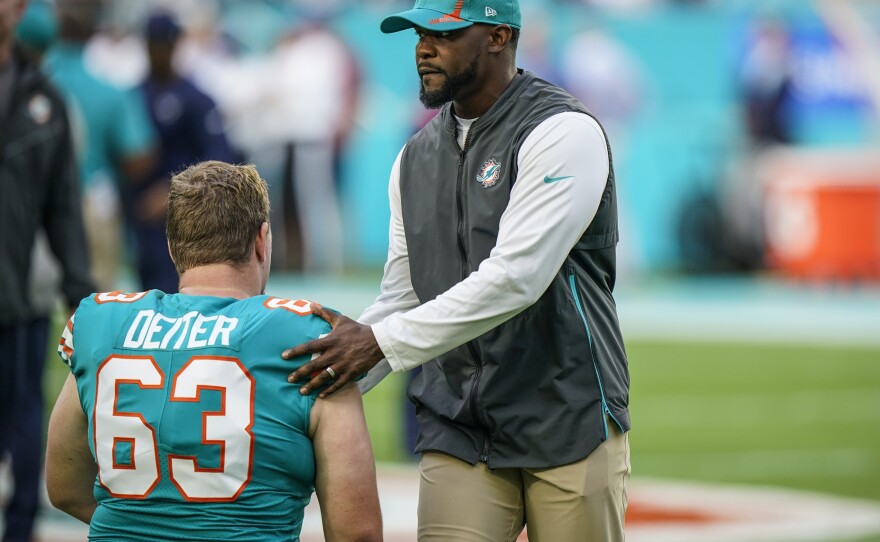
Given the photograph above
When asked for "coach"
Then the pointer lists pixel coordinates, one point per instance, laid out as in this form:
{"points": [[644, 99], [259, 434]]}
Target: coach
{"points": [[500, 270]]}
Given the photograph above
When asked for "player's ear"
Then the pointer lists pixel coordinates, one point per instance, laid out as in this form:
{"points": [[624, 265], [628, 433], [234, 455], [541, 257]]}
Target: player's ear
{"points": [[261, 245], [171, 254]]}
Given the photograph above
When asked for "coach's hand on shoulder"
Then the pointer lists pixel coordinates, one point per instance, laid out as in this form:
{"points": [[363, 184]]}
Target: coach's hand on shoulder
{"points": [[348, 351]]}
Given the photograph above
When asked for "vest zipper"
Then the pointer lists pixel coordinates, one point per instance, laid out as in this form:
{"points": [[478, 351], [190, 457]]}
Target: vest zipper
{"points": [[484, 455], [475, 384], [459, 183], [577, 303]]}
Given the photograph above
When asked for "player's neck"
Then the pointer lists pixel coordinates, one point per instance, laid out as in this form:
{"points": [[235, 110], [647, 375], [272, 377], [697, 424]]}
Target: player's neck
{"points": [[220, 280], [215, 292]]}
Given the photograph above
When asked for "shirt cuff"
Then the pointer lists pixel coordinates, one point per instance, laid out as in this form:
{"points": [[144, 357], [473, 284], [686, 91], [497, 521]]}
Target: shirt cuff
{"points": [[380, 331]]}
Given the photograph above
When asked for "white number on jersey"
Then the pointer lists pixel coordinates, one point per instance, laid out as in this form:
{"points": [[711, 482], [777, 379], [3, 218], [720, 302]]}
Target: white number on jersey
{"points": [[230, 427]]}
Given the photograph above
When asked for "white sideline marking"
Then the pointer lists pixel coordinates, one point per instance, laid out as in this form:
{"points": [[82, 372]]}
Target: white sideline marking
{"points": [[755, 514], [811, 319]]}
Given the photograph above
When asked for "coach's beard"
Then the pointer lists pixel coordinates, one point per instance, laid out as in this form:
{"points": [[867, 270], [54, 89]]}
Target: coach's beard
{"points": [[450, 88]]}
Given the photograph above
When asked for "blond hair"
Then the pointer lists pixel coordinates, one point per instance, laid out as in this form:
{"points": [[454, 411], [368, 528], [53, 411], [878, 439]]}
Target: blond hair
{"points": [[215, 211]]}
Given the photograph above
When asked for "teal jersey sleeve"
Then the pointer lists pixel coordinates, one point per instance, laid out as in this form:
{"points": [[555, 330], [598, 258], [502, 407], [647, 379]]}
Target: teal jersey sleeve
{"points": [[196, 432]]}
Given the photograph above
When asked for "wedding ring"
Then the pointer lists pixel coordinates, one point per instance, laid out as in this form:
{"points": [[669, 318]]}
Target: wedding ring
{"points": [[331, 372]]}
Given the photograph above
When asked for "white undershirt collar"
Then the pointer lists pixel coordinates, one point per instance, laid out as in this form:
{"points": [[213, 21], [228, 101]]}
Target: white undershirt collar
{"points": [[463, 126]]}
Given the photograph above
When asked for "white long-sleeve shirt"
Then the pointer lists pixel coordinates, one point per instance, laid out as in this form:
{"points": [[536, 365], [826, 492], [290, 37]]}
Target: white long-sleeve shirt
{"points": [[563, 167]]}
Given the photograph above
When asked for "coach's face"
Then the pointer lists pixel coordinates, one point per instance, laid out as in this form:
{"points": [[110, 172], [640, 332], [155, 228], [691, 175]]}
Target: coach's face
{"points": [[450, 63]]}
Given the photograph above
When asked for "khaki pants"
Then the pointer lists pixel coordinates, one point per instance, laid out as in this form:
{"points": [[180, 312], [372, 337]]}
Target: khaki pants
{"points": [[582, 501], [104, 235]]}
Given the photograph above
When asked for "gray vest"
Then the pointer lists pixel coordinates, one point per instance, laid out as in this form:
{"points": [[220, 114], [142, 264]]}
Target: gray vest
{"points": [[535, 391]]}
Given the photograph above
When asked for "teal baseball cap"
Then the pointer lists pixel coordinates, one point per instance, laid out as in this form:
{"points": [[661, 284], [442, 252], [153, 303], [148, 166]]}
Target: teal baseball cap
{"points": [[445, 15]]}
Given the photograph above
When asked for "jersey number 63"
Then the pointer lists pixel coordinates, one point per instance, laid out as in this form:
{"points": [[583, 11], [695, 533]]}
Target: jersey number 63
{"points": [[230, 427]]}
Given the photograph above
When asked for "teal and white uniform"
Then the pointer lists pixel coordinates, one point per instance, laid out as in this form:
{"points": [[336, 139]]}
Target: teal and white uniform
{"points": [[196, 432]]}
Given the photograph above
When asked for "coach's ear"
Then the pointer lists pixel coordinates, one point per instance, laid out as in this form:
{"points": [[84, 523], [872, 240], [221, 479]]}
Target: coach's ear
{"points": [[262, 243]]}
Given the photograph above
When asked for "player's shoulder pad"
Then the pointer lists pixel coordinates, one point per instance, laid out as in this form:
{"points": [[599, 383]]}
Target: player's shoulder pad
{"points": [[299, 307], [118, 296], [117, 302]]}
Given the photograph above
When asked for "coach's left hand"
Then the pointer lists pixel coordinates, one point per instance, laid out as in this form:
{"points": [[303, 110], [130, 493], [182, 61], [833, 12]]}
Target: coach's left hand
{"points": [[349, 350]]}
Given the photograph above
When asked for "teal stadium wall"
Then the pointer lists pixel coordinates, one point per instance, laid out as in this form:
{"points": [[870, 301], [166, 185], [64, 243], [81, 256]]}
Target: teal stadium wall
{"points": [[683, 139]]}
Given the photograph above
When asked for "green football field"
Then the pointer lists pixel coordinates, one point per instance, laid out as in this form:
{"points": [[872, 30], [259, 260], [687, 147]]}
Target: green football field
{"points": [[802, 417]]}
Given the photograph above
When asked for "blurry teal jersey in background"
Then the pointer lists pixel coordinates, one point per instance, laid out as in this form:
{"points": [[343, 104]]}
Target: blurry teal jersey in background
{"points": [[196, 432], [108, 124]]}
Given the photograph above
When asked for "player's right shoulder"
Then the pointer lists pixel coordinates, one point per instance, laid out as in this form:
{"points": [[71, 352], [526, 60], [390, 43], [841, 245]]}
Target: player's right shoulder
{"points": [[299, 307], [290, 314]]}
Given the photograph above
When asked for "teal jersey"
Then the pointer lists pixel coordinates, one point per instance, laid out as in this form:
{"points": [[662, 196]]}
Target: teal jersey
{"points": [[108, 124], [196, 432]]}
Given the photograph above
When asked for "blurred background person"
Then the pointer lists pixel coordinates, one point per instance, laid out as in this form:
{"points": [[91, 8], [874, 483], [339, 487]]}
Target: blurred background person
{"points": [[314, 96], [113, 135], [600, 71], [766, 84], [116, 52], [38, 182], [535, 51], [603, 74], [765, 92], [189, 128]]}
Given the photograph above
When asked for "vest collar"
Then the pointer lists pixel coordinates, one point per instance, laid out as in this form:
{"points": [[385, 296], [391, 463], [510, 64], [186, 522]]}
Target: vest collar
{"points": [[516, 86]]}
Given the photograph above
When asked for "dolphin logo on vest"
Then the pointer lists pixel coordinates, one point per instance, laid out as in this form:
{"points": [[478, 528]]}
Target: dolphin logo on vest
{"points": [[489, 173]]}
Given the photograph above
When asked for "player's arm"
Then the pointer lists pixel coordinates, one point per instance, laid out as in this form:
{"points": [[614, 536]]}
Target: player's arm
{"points": [[70, 468], [346, 471]]}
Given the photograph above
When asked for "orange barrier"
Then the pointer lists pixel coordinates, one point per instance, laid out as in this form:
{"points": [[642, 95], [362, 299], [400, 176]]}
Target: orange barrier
{"points": [[822, 212]]}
